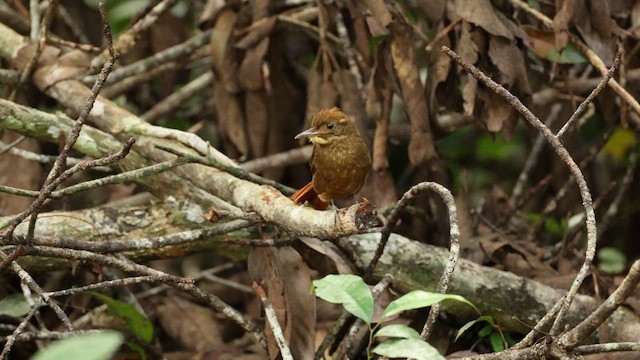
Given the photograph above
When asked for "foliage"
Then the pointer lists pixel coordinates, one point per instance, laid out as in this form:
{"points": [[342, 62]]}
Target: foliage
{"points": [[100, 346], [352, 292], [15, 305]]}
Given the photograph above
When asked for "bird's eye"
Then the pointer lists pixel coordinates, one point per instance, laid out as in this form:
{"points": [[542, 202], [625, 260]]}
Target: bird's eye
{"points": [[330, 125]]}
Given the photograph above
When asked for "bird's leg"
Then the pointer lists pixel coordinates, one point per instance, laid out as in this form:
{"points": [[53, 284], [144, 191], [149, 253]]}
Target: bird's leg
{"points": [[335, 213]]}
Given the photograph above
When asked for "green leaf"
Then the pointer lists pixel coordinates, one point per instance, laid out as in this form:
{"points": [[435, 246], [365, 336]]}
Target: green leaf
{"points": [[408, 348], [100, 346], [486, 331], [497, 344], [467, 326], [398, 331], [137, 324], [554, 226], [15, 305], [418, 299], [348, 290], [611, 260], [569, 55]]}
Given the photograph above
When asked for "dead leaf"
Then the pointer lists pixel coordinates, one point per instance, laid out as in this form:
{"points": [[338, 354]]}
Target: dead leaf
{"points": [[222, 55], [287, 281], [329, 250], [495, 112], [467, 47], [258, 121], [321, 92], [469, 92], [231, 121], [192, 325], [421, 146], [210, 11], [562, 21], [378, 17], [256, 32], [482, 13], [508, 59], [352, 102], [250, 74]]}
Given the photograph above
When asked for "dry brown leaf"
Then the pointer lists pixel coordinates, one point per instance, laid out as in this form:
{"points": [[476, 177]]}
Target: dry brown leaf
{"points": [[256, 32], [421, 146], [508, 58], [562, 21], [257, 121], [210, 11], [469, 93], [598, 29], [222, 56], [495, 112], [540, 42], [321, 93], [250, 74], [352, 102], [287, 280], [231, 121], [432, 9], [467, 47], [482, 13], [192, 325], [342, 265], [378, 17]]}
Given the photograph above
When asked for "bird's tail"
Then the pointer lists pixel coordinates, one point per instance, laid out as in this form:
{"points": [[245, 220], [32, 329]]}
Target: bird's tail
{"points": [[308, 194]]}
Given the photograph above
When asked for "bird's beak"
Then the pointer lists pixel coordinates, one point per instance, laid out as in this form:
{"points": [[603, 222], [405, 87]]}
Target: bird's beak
{"points": [[306, 133]]}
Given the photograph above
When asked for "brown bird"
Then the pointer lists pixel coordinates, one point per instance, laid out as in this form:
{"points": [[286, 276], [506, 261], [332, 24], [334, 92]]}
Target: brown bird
{"points": [[339, 163]]}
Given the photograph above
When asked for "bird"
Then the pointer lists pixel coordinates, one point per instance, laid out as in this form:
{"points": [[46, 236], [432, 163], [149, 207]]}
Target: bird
{"points": [[339, 163]]}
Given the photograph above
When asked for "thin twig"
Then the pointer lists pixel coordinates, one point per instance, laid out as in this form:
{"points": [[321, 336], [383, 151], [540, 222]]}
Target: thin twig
{"points": [[150, 279], [581, 332], [562, 152], [290, 157], [117, 245], [178, 98], [623, 188], [163, 57], [598, 89], [127, 40], [12, 338], [235, 171], [272, 318], [534, 156], [91, 184], [131, 267]]}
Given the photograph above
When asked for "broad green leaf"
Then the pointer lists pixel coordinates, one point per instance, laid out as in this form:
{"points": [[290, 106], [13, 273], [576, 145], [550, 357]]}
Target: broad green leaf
{"points": [[15, 305], [468, 325], [611, 260], [497, 344], [418, 299], [100, 346], [137, 324], [348, 290], [408, 348], [398, 331]]}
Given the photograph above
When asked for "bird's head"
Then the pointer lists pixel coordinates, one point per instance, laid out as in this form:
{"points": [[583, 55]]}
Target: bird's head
{"points": [[328, 125]]}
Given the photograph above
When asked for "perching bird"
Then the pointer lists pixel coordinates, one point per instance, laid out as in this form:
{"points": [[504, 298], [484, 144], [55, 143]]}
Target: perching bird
{"points": [[340, 160]]}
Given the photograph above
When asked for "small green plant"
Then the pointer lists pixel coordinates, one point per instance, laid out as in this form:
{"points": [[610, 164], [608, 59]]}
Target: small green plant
{"points": [[355, 296], [498, 339]]}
